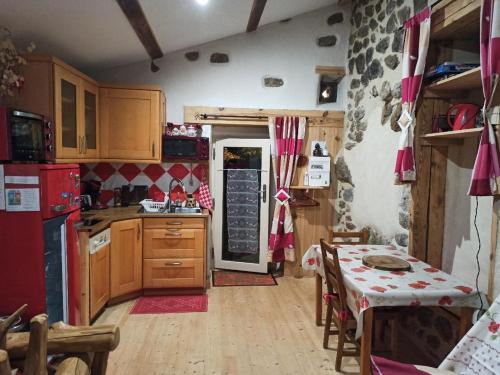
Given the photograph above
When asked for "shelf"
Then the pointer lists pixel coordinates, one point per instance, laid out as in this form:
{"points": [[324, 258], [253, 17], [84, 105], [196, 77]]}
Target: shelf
{"points": [[304, 187], [334, 72], [468, 80], [455, 137], [456, 20]]}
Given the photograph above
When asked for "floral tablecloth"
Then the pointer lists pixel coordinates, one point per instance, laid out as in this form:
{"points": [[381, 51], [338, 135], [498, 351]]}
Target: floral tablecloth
{"points": [[479, 350], [368, 287]]}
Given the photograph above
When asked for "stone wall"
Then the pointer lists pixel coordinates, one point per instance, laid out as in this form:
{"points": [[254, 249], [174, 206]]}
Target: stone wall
{"points": [[368, 199]]}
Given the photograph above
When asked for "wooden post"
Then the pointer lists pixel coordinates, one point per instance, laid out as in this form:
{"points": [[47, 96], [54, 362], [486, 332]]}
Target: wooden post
{"points": [[5, 325], [319, 305], [36, 357], [100, 363], [366, 343], [4, 363], [465, 321]]}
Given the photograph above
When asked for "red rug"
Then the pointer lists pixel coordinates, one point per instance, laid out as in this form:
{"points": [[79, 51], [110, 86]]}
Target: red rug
{"points": [[170, 304], [235, 278]]}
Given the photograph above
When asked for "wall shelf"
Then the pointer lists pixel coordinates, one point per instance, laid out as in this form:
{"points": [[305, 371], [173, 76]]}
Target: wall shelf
{"points": [[468, 80], [455, 137], [304, 187]]}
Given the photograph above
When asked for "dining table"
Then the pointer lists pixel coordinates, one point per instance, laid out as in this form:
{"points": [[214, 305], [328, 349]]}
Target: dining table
{"points": [[370, 288]]}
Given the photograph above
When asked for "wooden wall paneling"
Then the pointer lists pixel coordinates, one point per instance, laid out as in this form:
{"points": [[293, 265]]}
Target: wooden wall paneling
{"points": [[420, 189], [315, 117], [313, 223]]}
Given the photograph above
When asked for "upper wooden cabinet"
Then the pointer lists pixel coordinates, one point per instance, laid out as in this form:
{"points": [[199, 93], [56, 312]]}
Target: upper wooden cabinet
{"points": [[131, 123], [93, 121]]}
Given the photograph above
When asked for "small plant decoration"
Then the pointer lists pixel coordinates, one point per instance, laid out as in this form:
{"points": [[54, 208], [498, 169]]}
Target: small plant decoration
{"points": [[10, 64]]}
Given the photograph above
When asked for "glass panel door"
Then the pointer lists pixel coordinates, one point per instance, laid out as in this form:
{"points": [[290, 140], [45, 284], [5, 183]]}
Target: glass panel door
{"points": [[68, 142], [90, 139], [242, 204]]}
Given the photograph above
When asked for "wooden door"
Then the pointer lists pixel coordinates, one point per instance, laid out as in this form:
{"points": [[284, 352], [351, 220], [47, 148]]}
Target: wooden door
{"points": [[67, 97], [89, 128], [126, 257], [131, 124], [99, 280]]}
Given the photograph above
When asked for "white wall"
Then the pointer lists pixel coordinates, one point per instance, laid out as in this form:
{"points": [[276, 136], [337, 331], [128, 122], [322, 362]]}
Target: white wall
{"points": [[285, 50]]}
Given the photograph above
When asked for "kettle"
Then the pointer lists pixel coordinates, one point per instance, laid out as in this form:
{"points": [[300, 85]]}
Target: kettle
{"points": [[464, 116]]}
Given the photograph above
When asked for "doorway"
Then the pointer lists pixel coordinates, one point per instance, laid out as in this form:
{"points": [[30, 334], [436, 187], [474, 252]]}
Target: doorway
{"points": [[241, 216]]}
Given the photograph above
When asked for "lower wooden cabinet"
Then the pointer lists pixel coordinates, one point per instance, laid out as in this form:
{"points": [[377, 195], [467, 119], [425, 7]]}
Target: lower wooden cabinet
{"points": [[174, 273], [99, 280], [126, 257], [174, 253]]}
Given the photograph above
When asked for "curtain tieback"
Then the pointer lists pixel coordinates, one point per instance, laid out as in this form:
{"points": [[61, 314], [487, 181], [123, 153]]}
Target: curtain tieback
{"points": [[282, 196], [405, 120]]}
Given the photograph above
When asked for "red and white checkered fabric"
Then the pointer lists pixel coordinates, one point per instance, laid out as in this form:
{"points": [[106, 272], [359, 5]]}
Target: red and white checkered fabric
{"points": [[205, 197]]}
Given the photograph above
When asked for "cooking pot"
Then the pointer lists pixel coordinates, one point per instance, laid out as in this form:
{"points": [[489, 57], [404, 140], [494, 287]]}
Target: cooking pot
{"points": [[465, 116]]}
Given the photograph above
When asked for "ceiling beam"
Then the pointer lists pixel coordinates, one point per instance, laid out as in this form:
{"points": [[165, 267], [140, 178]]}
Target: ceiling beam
{"points": [[255, 15], [133, 11]]}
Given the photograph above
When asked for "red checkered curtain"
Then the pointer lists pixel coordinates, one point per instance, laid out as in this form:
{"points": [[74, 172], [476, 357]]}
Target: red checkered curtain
{"points": [[486, 173], [417, 31], [287, 136]]}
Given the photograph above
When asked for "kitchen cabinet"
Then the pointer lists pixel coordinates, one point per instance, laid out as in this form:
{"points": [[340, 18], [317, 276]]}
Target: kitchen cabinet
{"points": [[126, 257], [99, 280], [174, 253], [76, 116], [131, 123]]}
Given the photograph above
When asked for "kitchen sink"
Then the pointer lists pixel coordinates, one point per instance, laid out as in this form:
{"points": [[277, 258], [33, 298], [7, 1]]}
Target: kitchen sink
{"points": [[185, 210]]}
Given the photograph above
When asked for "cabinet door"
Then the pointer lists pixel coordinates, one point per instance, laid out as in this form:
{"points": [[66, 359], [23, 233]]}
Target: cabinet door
{"points": [[67, 99], [130, 123], [126, 257], [90, 120], [99, 280]]}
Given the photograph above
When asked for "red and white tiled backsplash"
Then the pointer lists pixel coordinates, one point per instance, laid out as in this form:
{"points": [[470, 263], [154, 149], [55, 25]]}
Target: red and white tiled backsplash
{"points": [[156, 176]]}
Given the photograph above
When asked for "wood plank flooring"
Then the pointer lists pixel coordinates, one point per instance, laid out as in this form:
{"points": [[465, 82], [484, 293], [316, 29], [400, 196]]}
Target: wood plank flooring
{"points": [[247, 330]]}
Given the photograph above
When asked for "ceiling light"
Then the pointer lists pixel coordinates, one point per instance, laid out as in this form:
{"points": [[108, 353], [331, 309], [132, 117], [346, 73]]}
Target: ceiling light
{"points": [[202, 2]]}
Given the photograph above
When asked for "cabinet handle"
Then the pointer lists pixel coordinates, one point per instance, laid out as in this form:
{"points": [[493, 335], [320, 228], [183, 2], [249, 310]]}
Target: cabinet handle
{"points": [[173, 234], [79, 144], [153, 149], [174, 222], [84, 144], [173, 263], [138, 231]]}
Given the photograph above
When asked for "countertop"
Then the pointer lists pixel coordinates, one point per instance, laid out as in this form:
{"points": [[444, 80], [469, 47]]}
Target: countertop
{"points": [[109, 215]]}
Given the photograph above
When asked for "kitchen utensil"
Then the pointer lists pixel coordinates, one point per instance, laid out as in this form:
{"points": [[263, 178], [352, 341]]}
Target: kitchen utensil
{"points": [[85, 202], [191, 131], [117, 197], [465, 116], [191, 182]]}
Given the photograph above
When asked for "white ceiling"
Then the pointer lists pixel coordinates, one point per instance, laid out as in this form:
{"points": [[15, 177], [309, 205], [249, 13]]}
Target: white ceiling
{"points": [[94, 34]]}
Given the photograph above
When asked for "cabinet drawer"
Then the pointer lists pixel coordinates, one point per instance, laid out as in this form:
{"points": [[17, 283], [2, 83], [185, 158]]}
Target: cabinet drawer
{"points": [[173, 243], [174, 222], [173, 273]]}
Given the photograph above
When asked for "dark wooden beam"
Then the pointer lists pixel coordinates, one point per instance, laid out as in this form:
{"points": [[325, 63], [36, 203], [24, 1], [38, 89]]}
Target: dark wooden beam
{"points": [[133, 11], [255, 14]]}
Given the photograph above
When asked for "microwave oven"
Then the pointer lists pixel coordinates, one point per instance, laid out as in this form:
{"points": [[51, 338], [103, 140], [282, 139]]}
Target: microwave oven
{"points": [[182, 147], [25, 136]]}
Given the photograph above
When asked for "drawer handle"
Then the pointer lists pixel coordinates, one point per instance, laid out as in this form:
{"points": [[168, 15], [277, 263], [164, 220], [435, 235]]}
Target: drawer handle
{"points": [[173, 263], [173, 230], [174, 222], [173, 234]]}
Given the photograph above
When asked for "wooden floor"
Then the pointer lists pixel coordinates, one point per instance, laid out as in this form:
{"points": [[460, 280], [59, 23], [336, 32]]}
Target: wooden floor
{"points": [[247, 330]]}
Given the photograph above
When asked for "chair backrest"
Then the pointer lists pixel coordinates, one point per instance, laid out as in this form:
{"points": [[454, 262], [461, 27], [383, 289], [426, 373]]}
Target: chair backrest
{"points": [[362, 237], [333, 275]]}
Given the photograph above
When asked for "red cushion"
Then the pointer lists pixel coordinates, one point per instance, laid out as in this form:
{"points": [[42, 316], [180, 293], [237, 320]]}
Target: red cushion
{"points": [[383, 366]]}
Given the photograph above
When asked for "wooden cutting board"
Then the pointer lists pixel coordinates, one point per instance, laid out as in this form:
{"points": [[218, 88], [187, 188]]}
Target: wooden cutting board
{"points": [[386, 263]]}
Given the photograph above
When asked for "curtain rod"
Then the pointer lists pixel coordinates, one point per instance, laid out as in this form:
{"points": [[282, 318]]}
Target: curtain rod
{"points": [[205, 116], [432, 6]]}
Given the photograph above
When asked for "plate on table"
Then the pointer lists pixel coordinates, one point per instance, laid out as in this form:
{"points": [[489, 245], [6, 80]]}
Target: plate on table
{"points": [[386, 263]]}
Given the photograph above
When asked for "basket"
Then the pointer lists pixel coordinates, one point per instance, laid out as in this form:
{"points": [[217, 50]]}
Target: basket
{"points": [[153, 206]]}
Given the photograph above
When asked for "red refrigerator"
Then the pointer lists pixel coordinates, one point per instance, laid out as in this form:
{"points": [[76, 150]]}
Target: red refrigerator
{"points": [[39, 252]]}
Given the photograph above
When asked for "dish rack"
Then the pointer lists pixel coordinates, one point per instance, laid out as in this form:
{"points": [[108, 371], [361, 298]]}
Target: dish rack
{"points": [[150, 205]]}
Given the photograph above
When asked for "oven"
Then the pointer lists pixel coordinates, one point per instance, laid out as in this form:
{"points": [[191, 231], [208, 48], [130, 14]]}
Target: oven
{"points": [[175, 147], [25, 136]]}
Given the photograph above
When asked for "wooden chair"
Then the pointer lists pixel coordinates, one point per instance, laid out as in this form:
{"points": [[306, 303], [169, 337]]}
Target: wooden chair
{"points": [[338, 311], [362, 237], [89, 347]]}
